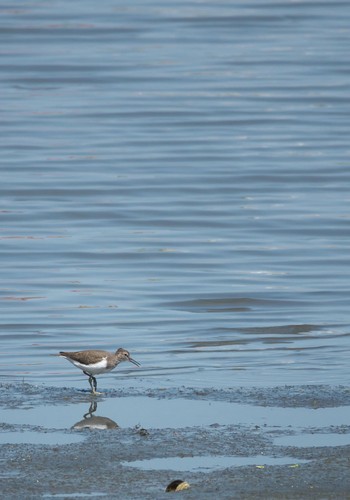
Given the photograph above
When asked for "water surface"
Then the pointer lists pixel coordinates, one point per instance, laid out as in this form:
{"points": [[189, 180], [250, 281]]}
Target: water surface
{"points": [[175, 180]]}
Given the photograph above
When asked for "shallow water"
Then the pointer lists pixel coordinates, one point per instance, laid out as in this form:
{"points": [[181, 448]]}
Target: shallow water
{"points": [[316, 439], [175, 180], [32, 437], [179, 413], [150, 413], [207, 464]]}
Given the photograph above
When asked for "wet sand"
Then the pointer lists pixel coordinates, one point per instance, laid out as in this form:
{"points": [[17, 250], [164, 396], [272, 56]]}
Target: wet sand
{"points": [[97, 465]]}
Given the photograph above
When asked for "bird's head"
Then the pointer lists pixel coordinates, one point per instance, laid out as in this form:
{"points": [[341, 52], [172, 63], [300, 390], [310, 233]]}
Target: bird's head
{"points": [[124, 355]]}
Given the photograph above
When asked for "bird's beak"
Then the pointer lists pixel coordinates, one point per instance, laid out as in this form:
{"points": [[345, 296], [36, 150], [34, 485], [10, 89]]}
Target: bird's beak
{"points": [[133, 361]]}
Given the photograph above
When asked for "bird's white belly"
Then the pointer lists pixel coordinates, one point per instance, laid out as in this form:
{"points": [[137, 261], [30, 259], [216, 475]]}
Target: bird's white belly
{"points": [[94, 369]]}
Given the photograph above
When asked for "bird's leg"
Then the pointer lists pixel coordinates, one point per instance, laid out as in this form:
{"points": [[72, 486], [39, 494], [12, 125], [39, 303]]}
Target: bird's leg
{"points": [[90, 377], [93, 383]]}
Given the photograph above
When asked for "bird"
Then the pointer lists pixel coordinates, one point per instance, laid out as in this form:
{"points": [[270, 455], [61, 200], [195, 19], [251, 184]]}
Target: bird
{"points": [[94, 361]]}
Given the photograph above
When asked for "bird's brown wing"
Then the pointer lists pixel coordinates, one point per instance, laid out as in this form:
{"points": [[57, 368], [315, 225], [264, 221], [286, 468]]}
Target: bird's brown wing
{"points": [[85, 357]]}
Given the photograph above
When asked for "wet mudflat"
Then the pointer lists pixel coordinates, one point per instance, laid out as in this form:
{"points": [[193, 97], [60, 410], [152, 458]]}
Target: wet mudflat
{"points": [[98, 454]]}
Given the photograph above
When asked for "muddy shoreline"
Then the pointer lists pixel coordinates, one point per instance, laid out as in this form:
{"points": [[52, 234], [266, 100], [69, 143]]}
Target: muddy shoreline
{"points": [[98, 465]]}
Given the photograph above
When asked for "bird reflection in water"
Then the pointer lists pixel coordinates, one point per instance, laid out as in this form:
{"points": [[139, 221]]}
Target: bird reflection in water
{"points": [[91, 421]]}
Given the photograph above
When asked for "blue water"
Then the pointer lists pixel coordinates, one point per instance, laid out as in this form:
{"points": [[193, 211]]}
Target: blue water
{"points": [[175, 180]]}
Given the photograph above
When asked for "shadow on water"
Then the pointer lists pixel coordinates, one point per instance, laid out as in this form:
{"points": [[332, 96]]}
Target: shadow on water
{"points": [[91, 421]]}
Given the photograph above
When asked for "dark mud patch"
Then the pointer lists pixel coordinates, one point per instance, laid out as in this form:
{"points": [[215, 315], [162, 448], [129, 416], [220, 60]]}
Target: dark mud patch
{"points": [[287, 396]]}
